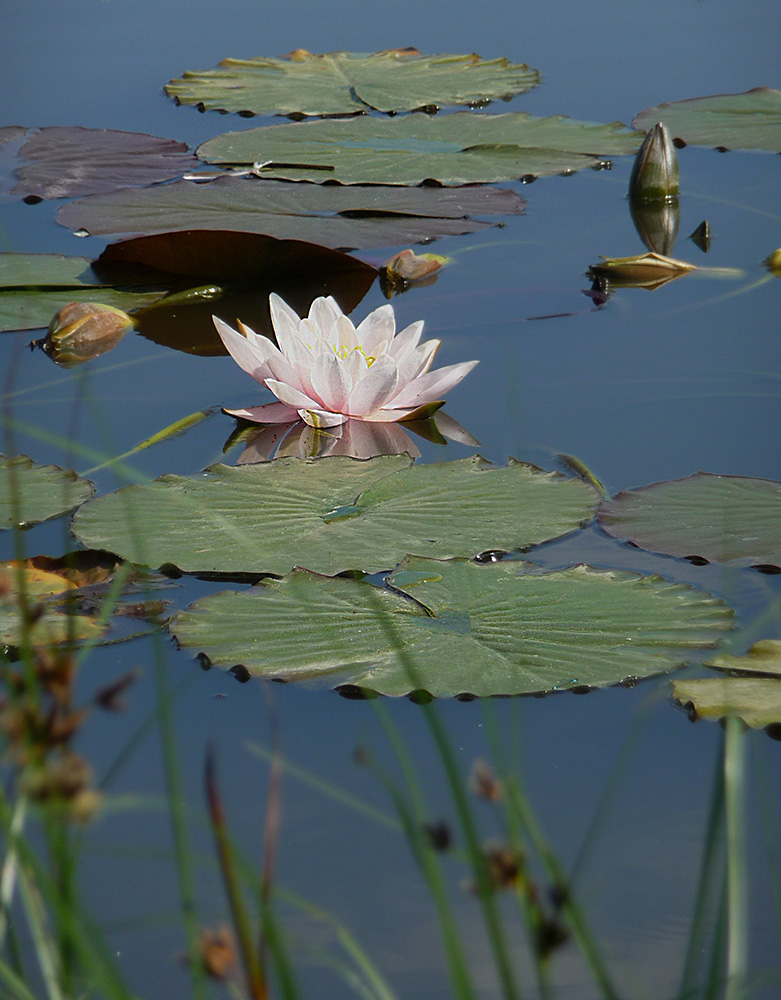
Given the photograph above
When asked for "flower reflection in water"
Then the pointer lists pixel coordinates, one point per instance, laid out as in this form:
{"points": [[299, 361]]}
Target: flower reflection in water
{"points": [[353, 438]]}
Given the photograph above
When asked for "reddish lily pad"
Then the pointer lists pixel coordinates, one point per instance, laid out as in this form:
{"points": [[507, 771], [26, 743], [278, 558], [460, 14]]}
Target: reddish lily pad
{"points": [[71, 161], [718, 518], [332, 215]]}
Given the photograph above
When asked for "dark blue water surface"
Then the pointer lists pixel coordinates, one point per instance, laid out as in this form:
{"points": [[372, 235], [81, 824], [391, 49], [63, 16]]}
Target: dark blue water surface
{"points": [[652, 386]]}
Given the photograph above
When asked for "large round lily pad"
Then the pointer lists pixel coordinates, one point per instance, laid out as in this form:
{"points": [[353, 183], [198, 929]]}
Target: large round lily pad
{"points": [[460, 148], [333, 514], [451, 628], [30, 493], [718, 518], [751, 120], [338, 83]]}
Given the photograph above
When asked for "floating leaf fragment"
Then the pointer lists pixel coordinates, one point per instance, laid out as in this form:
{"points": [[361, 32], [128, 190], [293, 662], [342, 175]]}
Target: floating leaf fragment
{"points": [[764, 657], [718, 518], [457, 628], [755, 700], [339, 83], [648, 270]]}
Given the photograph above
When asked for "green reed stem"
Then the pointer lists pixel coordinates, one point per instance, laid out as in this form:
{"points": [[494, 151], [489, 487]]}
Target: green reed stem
{"points": [[737, 884], [710, 866], [380, 989], [178, 824], [412, 820], [250, 955]]}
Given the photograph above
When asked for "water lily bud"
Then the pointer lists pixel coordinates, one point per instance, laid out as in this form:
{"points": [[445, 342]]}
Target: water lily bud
{"points": [[773, 263], [84, 330], [408, 268], [655, 170]]}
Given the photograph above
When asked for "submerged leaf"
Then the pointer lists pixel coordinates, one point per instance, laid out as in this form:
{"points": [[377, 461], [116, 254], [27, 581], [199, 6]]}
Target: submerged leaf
{"points": [[718, 518], [339, 83], [73, 161], [270, 517], [331, 216], [30, 493], [459, 148], [751, 120], [457, 628]]}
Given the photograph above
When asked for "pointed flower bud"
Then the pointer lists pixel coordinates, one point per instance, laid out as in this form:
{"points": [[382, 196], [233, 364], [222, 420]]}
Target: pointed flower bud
{"points": [[84, 330], [655, 171]]}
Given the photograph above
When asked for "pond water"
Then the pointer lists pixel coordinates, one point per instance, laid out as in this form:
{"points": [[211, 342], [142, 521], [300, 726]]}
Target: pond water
{"points": [[648, 386]]}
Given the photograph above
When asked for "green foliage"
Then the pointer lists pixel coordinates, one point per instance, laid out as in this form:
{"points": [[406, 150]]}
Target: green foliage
{"points": [[334, 514], [339, 83], [452, 628]]}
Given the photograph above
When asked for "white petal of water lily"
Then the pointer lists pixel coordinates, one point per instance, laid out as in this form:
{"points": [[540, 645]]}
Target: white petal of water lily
{"points": [[331, 381], [322, 418], [375, 333], [269, 413], [356, 365], [406, 341], [433, 385], [373, 391], [248, 355], [284, 320], [342, 336], [324, 312], [417, 362], [293, 397]]}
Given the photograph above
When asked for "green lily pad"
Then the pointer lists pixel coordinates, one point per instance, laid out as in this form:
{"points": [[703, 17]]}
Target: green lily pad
{"points": [[756, 700], [339, 83], [460, 148], [457, 628], [72, 161], [333, 514], [33, 286], [30, 493], [751, 120], [764, 657], [329, 215], [718, 518]]}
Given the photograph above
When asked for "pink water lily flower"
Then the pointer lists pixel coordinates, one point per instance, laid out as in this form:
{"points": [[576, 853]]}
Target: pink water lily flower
{"points": [[326, 370]]}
